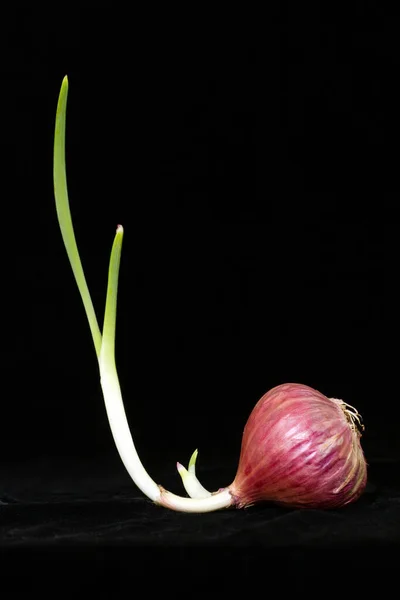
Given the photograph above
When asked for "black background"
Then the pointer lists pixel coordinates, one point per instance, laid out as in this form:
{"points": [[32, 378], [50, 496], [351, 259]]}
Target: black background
{"points": [[255, 171]]}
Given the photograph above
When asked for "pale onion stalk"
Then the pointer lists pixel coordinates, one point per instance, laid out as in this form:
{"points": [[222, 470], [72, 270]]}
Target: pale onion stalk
{"points": [[110, 382], [105, 344], [190, 482]]}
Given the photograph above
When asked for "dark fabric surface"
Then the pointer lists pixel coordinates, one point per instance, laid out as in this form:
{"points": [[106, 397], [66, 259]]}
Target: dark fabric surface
{"points": [[89, 523]]}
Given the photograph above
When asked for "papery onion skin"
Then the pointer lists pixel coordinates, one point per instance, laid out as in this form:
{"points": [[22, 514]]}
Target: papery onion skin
{"points": [[299, 449]]}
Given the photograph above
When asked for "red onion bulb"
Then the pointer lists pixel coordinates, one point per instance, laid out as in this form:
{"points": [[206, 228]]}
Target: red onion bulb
{"points": [[300, 449]]}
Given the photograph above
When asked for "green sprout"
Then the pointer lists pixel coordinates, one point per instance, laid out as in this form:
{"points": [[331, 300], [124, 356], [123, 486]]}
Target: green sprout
{"points": [[190, 482], [200, 500]]}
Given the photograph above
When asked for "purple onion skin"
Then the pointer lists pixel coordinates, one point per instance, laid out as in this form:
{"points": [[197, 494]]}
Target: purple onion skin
{"points": [[299, 449]]}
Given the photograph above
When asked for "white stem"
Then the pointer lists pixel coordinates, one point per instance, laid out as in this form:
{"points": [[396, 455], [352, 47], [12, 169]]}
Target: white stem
{"points": [[217, 501], [130, 458], [122, 435]]}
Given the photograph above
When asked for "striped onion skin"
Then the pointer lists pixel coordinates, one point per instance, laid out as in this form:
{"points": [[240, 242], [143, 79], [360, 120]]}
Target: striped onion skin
{"points": [[300, 449]]}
